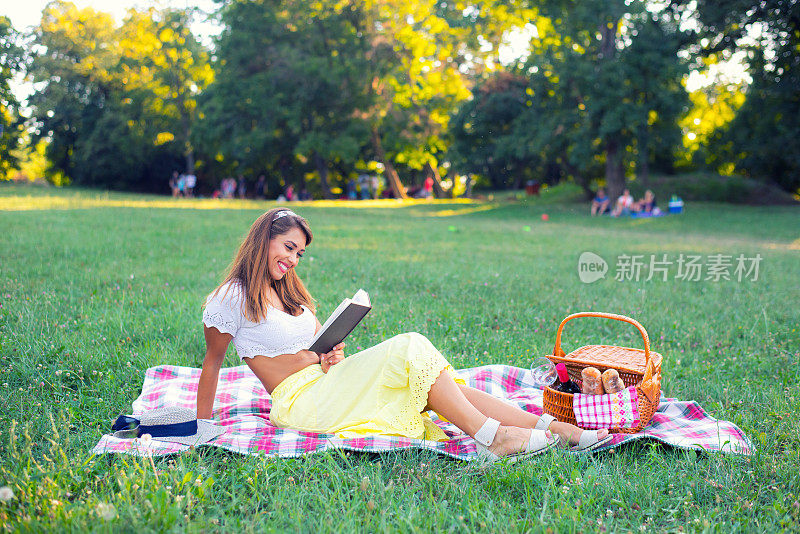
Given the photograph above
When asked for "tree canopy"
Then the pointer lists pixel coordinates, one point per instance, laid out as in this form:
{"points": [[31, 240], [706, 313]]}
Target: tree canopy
{"points": [[11, 62], [314, 94]]}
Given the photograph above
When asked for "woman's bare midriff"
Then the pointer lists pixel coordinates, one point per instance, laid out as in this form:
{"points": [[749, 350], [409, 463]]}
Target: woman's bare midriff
{"points": [[273, 371]]}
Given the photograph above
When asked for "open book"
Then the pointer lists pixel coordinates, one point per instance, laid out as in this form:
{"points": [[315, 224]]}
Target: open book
{"points": [[341, 322]]}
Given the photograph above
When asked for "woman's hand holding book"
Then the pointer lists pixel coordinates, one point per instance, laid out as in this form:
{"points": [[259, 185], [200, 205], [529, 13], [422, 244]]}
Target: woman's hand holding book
{"points": [[332, 358]]}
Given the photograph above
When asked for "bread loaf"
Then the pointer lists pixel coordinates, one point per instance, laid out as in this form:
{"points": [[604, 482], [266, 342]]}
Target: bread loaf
{"points": [[612, 383], [592, 384]]}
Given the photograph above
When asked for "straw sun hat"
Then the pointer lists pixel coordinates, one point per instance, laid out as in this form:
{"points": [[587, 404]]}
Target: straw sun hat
{"points": [[171, 423]]}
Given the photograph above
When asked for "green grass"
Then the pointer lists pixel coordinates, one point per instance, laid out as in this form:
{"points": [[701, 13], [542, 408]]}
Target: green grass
{"points": [[95, 288]]}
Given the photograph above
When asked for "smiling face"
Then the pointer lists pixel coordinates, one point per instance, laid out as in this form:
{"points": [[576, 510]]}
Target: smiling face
{"points": [[285, 251]]}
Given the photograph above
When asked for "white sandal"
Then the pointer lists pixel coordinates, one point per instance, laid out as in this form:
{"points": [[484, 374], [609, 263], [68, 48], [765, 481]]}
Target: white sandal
{"points": [[587, 442], [537, 443]]}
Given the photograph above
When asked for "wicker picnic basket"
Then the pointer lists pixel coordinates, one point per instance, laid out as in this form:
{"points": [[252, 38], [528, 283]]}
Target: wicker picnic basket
{"points": [[636, 367]]}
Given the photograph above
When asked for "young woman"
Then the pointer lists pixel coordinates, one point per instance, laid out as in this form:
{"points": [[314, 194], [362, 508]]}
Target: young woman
{"points": [[265, 310]]}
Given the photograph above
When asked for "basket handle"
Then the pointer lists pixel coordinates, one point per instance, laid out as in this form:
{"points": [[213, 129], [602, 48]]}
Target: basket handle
{"points": [[648, 373]]}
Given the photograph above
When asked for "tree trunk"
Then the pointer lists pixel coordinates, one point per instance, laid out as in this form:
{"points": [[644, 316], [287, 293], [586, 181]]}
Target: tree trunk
{"points": [[438, 189], [615, 174], [190, 161], [188, 149], [286, 172], [391, 174], [643, 165], [322, 169]]}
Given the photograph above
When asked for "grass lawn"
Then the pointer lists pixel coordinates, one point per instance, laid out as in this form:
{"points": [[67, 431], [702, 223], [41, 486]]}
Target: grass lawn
{"points": [[95, 288]]}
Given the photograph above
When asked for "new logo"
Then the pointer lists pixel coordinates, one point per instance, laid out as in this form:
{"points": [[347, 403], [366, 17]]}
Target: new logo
{"points": [[591, 267]]}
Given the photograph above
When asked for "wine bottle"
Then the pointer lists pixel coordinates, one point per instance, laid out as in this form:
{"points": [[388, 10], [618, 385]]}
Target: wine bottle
{"points": [[564, 384]]}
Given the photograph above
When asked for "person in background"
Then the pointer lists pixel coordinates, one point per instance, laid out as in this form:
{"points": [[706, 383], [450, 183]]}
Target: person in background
{"points": [[351, 189], [427, 187], [227, 187], [173, 183], [261, 187], [242, 186], [289, 193], [181, 184], [191, 182], [374, 185], [600, 202], [304, 195], [624, 204], [363, 185], [647, 204]]}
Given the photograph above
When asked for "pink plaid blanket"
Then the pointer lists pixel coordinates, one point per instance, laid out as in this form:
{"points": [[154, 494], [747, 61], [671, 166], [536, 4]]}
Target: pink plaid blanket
{"points": [[242, 406]]}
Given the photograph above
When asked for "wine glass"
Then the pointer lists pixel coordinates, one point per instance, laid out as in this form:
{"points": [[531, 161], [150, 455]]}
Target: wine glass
{"points": [[543, 372]]}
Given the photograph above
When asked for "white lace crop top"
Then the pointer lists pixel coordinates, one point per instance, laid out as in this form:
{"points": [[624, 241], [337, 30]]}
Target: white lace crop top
{"points": [[279, 333]]}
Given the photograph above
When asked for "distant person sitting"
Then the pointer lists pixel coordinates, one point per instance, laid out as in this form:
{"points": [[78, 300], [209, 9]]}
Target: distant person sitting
{"points": [[190, 183], [647, 204], [600, 202], [624, 204], [228, 186], [427, 187], [364, 187], [241, 186], [173, 183], [351, 190]]}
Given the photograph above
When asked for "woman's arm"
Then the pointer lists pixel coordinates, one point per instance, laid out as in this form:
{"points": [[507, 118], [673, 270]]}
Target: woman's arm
{"points": [[216, 345]]}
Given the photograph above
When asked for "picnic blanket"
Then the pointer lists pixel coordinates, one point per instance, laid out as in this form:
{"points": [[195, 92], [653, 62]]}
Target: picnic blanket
{"points": [[242, 406]]}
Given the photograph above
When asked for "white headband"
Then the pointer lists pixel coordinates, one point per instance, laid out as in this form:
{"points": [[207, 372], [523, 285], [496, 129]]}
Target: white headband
{"points": [[283, 213]]}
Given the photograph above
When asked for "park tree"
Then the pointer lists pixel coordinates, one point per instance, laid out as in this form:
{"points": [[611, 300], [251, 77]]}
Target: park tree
{"points": [[11, 62], [437, 49], [713, 107], [602, 86], [169, 67], [103, 102], [415, 84], [486, 140], [618, 63], [762, 139], [289, 80], [336, 84], [73, 71]]}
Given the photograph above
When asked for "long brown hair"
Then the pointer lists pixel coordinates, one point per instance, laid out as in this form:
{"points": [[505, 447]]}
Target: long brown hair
{"points": [[249, 267]]}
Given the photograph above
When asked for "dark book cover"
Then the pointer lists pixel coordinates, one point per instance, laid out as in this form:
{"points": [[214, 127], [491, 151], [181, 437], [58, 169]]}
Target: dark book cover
{"points": [[340, 328]]}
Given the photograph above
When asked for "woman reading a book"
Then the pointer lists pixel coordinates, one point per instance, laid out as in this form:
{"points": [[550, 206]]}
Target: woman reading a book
{"points": [[265, 310]]}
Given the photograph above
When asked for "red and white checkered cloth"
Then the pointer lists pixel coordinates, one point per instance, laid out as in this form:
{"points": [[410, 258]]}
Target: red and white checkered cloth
{"points": [[242, 407], [615, 410]]}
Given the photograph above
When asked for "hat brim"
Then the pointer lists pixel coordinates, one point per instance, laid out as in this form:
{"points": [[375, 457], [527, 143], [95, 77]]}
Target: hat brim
{"points": [[205, 432]]}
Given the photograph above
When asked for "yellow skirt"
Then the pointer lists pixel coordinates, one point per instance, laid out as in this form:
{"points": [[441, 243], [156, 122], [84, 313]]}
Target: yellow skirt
{"points": [[380, 390]]}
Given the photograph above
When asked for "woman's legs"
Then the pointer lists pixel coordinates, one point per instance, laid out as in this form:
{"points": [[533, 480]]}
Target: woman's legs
{"points": [[511, 415], [447, 398]]}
